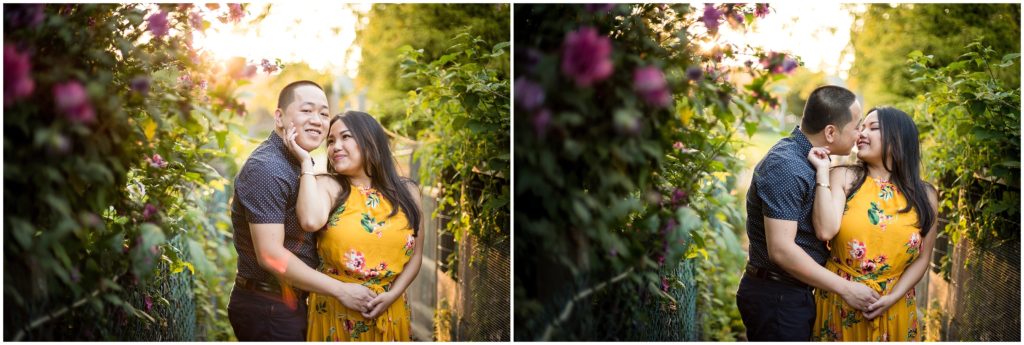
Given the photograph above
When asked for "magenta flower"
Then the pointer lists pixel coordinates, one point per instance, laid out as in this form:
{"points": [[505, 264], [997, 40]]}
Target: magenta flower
{"points": [[649, 83], [148, 301], [185, 81], [140, 84], [71, 99], [530, 95], [711, 18], [158, 24], [148, 211], [788, 65], [586, 56], [678, 146], [236, 12], [540, 122], [156, 161], [18, 81], [679, 195], [761, 11], [268, 67], [196, 21], [694, 73]]}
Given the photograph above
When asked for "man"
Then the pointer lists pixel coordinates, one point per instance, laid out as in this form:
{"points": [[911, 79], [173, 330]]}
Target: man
{"points": [[275, 255], [786, 261]]}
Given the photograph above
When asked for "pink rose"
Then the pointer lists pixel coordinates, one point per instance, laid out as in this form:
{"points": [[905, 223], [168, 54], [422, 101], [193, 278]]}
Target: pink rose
{"points": [[18, 81], [867, 266], [156, 161], [586, 56], [236, 12], [711, 18], [72, 100], [158, 24], [650, 84]]}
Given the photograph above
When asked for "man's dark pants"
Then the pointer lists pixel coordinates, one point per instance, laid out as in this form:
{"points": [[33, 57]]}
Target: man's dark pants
{"points": [[775, 311], [261, 316]]}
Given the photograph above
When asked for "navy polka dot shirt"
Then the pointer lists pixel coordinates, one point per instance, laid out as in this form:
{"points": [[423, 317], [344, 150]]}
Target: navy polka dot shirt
{"points": [[783, 188], [266, 190]]}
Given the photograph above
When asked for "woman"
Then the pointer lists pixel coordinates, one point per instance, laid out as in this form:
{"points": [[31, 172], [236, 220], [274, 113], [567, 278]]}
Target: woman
{"points": [[370, 218], [875, 216]]}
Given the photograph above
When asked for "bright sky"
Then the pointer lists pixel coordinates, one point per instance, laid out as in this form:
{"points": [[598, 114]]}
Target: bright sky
{"points": [[316, 34], [817, 32]]}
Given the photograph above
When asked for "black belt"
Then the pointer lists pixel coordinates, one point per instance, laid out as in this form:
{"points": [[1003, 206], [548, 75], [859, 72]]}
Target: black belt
{"points": [[767, 274], [256, 285]]}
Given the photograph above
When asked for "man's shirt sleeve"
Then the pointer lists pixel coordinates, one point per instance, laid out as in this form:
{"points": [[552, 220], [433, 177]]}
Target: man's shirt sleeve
{"points": [[263, 193], [781, 191]]}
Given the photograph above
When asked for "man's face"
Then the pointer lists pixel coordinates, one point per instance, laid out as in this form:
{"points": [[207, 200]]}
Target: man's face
{"points": [[309, 114], [847, 136]]}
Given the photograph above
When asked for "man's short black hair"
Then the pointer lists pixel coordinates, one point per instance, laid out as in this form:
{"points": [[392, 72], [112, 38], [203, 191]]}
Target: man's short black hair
{"points": [[827, 105], [287, 95]]}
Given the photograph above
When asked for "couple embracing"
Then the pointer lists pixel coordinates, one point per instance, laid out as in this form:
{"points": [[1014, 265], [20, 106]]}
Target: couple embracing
{"points": [[323, 256], [835, 252]]}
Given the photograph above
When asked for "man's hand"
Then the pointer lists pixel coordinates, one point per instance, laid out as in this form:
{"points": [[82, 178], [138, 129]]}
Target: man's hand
{"points": [[859, 296], [355, 296], [379, 304]]}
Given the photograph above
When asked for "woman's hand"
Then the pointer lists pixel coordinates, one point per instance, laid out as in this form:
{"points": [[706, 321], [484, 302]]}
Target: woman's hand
{"points": [[819, 158], [379, 304], [289, 140], [355, 296], [879, 307]]}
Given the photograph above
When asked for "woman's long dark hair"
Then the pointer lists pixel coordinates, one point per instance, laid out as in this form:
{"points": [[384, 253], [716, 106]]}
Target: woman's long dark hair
{"points": [[379, 165], [900, 139]]}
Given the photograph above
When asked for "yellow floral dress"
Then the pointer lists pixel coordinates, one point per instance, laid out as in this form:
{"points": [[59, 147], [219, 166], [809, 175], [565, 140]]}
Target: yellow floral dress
{"points": [[362, 245], [875, 244]]}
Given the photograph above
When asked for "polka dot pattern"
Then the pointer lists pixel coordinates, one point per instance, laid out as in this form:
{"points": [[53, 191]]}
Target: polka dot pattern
{"points": [[783, 188], [266, 190]]}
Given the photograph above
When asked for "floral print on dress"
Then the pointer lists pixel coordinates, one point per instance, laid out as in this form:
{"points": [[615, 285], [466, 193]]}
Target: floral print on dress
{"points": [[857, 249], [878, 217], [371, 261], [371, 225], [372, 200], [873, 268], [886, 189], [872, 248], [354, 261], [410, 243], [336, 216], [914, 244]]}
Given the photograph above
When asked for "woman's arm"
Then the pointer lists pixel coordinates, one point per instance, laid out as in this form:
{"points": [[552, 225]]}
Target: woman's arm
{"points": [[316, 193], [316, 197], [828, 202], [409, 272], [913, 274]]}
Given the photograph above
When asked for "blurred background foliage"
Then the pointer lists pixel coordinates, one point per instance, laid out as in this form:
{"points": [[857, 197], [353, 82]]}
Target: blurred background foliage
{"points": [[426, 27], [883, 35]]}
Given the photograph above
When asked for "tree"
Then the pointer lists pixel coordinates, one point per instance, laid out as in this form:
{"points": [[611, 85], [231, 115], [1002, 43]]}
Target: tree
{"points": [[422, 26], [883, 35]]}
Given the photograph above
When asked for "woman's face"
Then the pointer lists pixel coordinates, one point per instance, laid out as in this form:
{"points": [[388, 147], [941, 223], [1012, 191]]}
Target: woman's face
{"points": [[869, 140], [343, 151]]}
